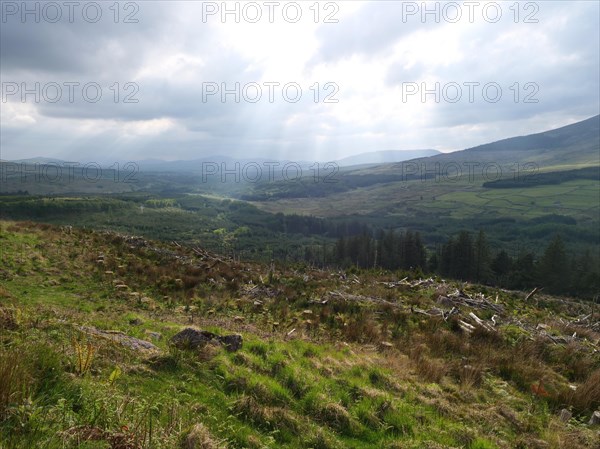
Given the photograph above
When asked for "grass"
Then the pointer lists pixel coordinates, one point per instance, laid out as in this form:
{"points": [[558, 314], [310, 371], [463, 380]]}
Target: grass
{"points": [[463, 200], [325, 385]]}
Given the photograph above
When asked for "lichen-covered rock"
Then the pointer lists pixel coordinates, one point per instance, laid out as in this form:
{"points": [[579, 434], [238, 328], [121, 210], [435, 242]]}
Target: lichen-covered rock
{"points": [[190, 338], [119, 337], [565, 415]]}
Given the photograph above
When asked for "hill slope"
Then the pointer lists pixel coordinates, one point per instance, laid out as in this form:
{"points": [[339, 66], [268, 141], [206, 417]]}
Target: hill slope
{"points": [[383, 157], [577, 144], [440, 194], [329, 359]]}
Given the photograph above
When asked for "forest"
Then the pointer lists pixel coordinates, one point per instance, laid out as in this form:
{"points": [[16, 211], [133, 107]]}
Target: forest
{"points": [[468, 257], [512, 253]]}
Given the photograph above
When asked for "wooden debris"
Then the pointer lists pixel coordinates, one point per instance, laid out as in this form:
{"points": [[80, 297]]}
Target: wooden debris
{"points": [[479, 301], [481, 323], [533, 292], [360, 298], [468, 328], [385, 345]]}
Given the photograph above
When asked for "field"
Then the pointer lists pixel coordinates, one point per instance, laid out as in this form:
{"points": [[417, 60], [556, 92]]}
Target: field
{"points": [[526, 216], [464, 199]]}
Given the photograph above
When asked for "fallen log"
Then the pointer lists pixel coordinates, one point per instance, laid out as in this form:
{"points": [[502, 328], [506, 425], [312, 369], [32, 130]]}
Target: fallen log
{"points": [[533, 292]]}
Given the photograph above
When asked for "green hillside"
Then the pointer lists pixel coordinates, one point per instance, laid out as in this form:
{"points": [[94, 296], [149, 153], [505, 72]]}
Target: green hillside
{"points": [[551, 173], [363, 359]]}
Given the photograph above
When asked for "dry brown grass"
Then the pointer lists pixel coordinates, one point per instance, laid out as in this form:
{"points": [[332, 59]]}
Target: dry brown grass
{"points": [[469, 376], [574, 360], [363, 329], [267, 417], [431, 370], [13, 381], [199, 437], [585, 399], [445, 342], [333, 415], [5, 294], [208, 352], [8, 318]]}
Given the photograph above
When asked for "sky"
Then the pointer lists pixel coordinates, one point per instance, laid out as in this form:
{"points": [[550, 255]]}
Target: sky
{"points": [[309, 81]]}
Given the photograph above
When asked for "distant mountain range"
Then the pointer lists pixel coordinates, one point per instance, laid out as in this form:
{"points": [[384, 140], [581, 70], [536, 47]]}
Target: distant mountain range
{"points": [[40, 160], [577, 144], [195, 165], [385, 157]]}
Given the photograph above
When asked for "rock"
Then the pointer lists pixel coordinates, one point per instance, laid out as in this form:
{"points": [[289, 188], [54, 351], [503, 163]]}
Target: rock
{"points": [[193, 338], [153, 335], [232, 342], [119, 337], [565, 415], [595, 419]]}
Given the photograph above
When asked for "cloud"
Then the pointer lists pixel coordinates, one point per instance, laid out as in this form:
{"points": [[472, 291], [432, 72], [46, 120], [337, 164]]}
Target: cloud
{"points": [[170, 57]]}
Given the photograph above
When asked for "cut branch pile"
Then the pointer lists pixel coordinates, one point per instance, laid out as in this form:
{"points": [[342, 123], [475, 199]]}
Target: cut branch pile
{"points": [[478, 301]]}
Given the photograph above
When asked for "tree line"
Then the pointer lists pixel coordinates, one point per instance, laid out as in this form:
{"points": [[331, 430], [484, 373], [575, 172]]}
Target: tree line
{"points": [[469, 257]]}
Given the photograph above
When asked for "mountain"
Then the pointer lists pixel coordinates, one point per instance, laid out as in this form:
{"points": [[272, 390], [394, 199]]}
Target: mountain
{"points": [[384, 157], [577, 144], [516, 188], [41, 160]]}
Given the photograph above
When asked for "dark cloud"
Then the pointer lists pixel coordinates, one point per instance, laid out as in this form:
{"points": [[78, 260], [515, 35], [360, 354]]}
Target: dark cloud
{"points": [[79, 47], [170, 52]]}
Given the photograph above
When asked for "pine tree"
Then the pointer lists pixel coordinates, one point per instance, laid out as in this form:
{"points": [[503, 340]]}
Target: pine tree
{"points": [[501, 266], [434, 263], [421, 253], [585, 276], [522, 275], [553, 267], [464, 256], [482, 259]]}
